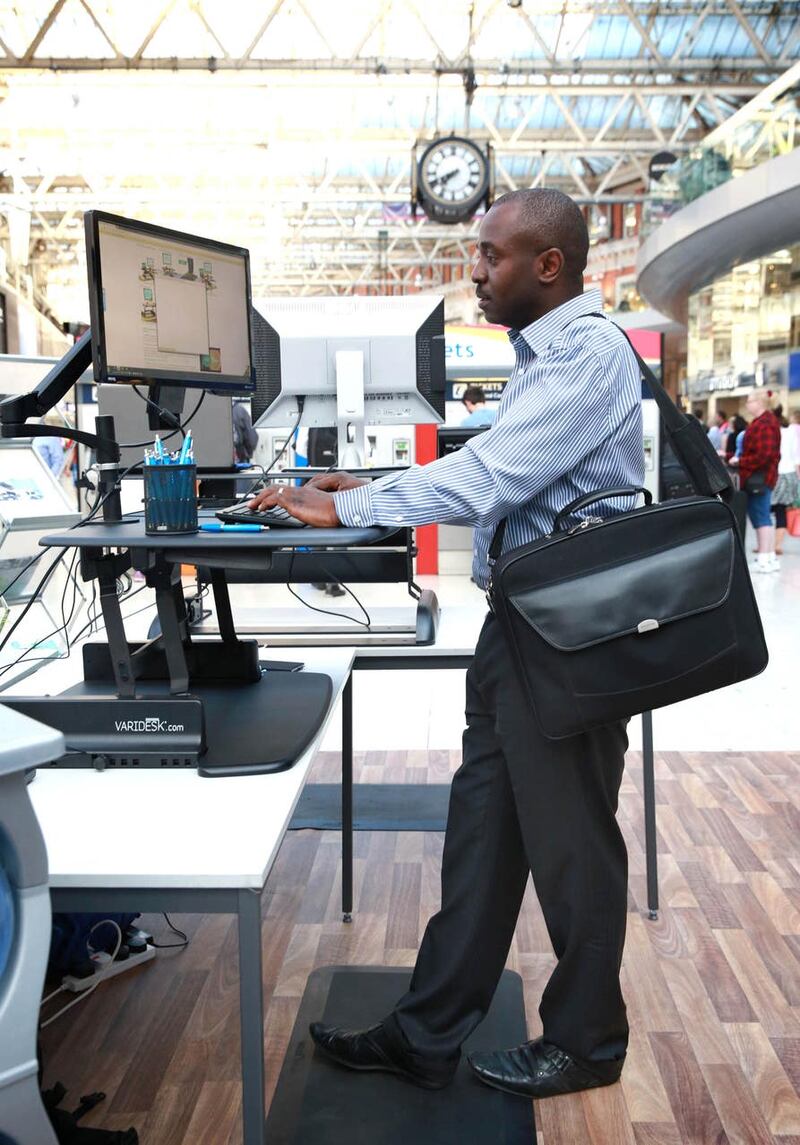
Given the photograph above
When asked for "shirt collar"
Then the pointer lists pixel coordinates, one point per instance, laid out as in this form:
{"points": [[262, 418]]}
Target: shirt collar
{"points": [[541, 334]]}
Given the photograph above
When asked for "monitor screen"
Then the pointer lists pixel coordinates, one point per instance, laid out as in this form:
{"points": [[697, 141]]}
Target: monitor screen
{"points": [[167, 307]]}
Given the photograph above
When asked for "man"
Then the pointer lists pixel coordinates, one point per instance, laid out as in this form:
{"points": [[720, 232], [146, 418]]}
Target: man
{"points": [[478, 413], [718, 430], [245, 435], [569, 423]]}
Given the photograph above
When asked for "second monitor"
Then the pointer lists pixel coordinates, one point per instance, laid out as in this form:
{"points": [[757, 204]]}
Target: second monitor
{"points": [[347, 362]]}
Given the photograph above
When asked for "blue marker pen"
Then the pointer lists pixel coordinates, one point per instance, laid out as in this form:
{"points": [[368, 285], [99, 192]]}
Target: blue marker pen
{"points": [[186, 449], [220, 527]]}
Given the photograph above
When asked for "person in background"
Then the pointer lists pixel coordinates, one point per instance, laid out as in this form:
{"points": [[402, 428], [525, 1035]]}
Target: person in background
{"points": [[716, 433], [245, 436], [794, 430], [736, 427], [245, 440], [698, 415], [758, 466], [786, 489], [478, 413], [51, 449]]}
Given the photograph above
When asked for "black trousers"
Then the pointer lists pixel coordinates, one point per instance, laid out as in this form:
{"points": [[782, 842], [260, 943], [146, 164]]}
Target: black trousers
{"points": [[521, 803]]}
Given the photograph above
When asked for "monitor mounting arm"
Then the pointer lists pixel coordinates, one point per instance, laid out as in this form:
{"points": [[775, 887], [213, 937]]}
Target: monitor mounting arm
{"points": [[15, 411]]}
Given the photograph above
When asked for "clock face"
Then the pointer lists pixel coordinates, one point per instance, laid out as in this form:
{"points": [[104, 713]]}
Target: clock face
{"points": [[453, 176]]}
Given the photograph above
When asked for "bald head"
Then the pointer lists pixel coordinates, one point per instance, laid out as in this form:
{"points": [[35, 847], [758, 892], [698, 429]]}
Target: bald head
{"points": [[550, 218]]}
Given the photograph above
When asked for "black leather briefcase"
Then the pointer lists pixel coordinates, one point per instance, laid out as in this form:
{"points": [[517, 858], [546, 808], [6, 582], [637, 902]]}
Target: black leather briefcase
{"points": [[613, 616]]}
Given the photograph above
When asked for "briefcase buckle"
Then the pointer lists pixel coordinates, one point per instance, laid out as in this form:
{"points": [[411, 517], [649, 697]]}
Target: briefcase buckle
{"points": [[649, 625], [586, 523]]}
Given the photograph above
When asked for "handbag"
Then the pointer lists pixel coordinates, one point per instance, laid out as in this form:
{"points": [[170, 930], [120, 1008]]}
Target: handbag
{"points": [[756, 482], [607, 617]]}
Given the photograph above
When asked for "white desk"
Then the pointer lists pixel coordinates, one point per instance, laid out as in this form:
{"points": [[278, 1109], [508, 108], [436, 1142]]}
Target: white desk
{"points": [[457, 635], [209, 845]]}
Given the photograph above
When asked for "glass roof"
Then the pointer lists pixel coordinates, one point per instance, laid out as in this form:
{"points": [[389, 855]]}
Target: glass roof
{"points": [[266, 122]]}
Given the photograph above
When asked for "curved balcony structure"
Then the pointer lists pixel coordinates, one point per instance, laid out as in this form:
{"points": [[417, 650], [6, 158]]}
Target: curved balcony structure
{"points": [[748, 217]]}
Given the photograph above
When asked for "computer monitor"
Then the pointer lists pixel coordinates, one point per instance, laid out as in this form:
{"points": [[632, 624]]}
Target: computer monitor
{"points": [[351, 361], [450, 438], [167, 307]]}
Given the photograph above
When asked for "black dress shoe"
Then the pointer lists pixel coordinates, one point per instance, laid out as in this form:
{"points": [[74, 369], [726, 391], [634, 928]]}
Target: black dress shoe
{"points": [[540, 1069], [372, 1050]]}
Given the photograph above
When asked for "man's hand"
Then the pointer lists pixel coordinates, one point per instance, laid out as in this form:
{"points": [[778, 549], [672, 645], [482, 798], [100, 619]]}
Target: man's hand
{"points": [[312, 506], [335, 482]]}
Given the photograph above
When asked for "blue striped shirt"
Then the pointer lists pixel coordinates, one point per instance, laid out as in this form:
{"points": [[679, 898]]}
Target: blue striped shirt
{"points": [[569, 423]]}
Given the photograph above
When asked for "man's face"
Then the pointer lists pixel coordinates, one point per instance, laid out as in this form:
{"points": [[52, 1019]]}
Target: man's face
{"points": [[506, 270]]}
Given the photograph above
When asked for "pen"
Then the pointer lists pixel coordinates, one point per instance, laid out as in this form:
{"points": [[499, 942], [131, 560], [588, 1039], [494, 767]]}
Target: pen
{"points": [[219, 527], [186, 449]]}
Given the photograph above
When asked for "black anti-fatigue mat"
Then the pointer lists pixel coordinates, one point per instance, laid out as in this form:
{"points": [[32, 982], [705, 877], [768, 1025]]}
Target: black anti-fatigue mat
{"points": [[320, 1103], [376, 807]]}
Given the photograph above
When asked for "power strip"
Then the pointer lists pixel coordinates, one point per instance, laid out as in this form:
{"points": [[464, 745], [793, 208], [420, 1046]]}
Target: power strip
{"points": [[107, 970]]}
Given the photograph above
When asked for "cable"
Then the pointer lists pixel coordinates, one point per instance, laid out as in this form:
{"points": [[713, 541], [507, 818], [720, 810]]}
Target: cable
{"points": [[40, 585], [95, 620], [98, 505], [301, 401], [329, 611], [63, 627], [23, 570], [99, 975], [172, 945], [181, 424]]}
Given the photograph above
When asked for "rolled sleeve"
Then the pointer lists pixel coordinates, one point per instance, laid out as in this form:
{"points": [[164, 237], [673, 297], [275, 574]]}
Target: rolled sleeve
{"points": [[354, 507]]}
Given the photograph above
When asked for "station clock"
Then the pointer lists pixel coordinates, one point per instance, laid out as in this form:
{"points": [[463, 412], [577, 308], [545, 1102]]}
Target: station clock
{"points": [[453, 176]]}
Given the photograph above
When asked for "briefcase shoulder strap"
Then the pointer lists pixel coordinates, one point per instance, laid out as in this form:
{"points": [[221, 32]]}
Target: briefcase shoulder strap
{"points": [[496, 543], [689, 441], [673, 418], [717, 482]]}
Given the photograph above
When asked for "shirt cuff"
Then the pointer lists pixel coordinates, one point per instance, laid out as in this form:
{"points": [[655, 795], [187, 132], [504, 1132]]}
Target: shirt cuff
{"points": [[354, 507]]}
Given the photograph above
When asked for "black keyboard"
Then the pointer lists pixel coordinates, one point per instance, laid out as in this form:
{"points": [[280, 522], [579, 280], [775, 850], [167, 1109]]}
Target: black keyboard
{"points": [[276, 518]]}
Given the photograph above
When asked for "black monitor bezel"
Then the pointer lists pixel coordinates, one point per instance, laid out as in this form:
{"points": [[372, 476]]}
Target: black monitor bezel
{"points": [[216, 383]]}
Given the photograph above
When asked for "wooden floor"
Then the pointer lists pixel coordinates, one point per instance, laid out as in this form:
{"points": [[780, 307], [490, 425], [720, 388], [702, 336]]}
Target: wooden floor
{"points": [[713, 987]]}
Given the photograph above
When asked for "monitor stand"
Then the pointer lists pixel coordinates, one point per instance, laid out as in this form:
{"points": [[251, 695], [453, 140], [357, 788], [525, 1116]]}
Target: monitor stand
{"points": [[350, 409]]}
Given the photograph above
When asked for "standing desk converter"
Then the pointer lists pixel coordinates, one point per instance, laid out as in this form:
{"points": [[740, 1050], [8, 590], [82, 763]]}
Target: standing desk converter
{"points": [[212, 696]]}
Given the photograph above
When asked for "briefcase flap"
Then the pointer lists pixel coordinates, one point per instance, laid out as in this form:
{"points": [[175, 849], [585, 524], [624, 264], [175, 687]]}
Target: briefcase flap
{"points": [[636, 595]]}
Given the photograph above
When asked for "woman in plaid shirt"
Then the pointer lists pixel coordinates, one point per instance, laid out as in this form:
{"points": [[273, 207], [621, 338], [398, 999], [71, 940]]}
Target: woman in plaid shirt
{"points": [[758, 465]]}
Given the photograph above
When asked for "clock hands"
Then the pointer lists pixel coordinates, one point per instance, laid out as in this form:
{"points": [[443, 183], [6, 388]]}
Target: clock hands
{"points": [[448, 175]]}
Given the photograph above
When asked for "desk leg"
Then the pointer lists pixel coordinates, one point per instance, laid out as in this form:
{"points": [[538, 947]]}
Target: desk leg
{"points": [[251, 1005], [650, 840], [347, 801]]}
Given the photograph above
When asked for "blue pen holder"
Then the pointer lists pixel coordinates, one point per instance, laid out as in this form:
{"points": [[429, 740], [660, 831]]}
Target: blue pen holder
{"points": [[170, 504]]}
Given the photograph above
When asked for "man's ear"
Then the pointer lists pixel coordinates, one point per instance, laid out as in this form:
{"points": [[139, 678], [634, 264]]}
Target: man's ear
{"points": [[549, 265]]}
